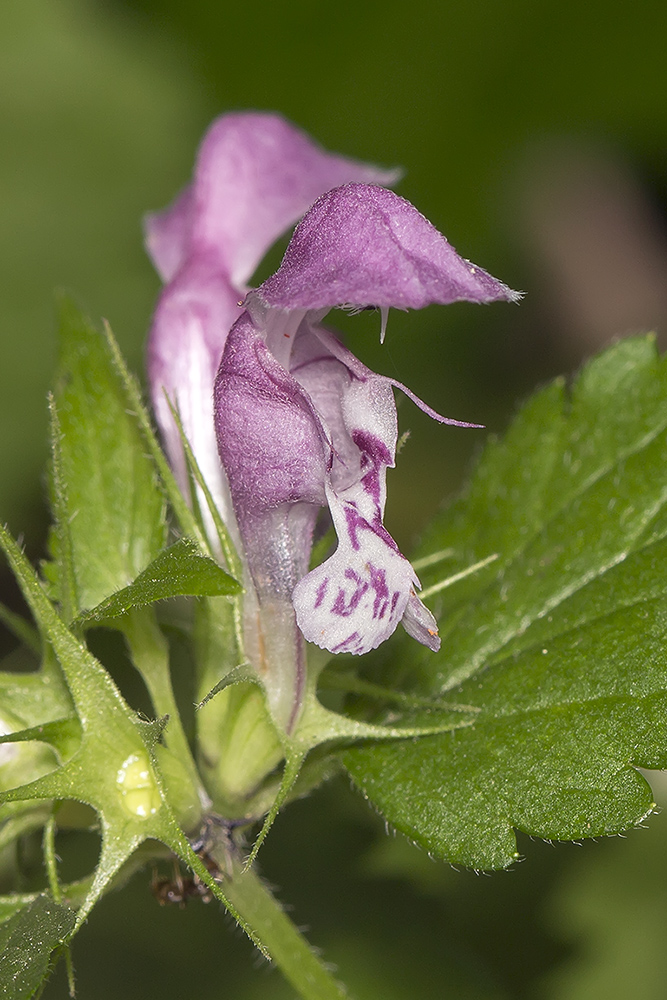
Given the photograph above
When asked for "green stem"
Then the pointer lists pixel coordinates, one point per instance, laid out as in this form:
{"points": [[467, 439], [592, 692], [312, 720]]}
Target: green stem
{"points": [[285, 944], [150, 655], [21, 629], [51, 864]]}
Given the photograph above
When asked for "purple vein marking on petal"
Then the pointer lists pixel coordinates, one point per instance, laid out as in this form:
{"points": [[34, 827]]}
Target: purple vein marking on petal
{"points": [[356, 523], [321, 591], [341, 647], [372, 446], [344, 606], [371, 484], [379, 585]]}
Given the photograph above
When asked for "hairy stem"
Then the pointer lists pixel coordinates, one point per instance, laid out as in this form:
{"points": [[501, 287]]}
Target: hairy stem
{"points": [[286, 946]]}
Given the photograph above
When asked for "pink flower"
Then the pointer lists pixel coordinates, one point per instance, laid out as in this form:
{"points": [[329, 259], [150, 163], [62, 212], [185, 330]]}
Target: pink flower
{"points": [[301, 424]]}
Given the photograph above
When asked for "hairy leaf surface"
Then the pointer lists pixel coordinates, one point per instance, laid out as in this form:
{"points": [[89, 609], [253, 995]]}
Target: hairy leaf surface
{"points": [[26, 942], [105, 485], [560, 643], [179, 571]]}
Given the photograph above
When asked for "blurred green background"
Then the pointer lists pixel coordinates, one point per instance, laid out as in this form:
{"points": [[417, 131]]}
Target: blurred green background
{"points": [[534, 135]]}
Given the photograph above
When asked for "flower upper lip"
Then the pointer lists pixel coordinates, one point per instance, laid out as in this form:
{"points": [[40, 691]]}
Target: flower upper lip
{"points": [[364, 245]]}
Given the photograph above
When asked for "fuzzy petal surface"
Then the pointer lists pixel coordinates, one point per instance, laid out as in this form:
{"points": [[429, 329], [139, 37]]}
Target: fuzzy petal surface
{"points": [[167, 235], [362, 245], [185, 342], [353, 602], [256, 174], [274, 451]]}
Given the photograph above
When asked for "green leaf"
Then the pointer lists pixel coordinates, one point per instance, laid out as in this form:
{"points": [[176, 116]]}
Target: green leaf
{"points": [[108, 505], [27, 940], [113, 769], [64, 736], [29, 752], [37, 696], [318, 726], [179, 571], [560, 643], [62, 576]]}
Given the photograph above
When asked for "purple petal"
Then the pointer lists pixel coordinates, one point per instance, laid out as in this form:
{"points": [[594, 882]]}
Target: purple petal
{"points": [[327, 381], [354, 601], [185, 344], [363, 245], [275, 453], [167, 235], [255, 176]]}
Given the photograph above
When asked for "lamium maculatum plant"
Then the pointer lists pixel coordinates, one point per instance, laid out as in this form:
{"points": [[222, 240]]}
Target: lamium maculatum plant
{"points": [[531, 682]]}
